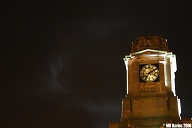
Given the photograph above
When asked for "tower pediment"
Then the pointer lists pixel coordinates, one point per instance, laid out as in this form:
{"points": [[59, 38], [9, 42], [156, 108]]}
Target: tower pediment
{"points": [[149, 51]]}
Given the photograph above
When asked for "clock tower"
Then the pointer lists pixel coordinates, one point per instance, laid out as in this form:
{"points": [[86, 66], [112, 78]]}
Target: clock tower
{"points": [[151, 101]]}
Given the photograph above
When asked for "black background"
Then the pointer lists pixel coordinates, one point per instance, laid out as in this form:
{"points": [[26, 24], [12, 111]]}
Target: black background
{"points": [[62, 61]]}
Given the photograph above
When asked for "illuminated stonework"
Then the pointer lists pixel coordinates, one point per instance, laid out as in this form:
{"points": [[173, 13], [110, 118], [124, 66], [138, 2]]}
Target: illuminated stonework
{"points": [[149, 103], [149, 42]]}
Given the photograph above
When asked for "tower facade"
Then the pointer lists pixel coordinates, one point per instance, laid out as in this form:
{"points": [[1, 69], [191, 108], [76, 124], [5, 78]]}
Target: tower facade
{"points": [[151, 100]]}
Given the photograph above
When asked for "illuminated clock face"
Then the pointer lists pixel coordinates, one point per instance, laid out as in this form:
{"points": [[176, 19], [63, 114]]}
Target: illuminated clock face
{"points": [[149, 73]]}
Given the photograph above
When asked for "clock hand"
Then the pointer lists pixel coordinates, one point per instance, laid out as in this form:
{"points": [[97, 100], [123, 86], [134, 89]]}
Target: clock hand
{"points": [[152, 71], [151, 74]]}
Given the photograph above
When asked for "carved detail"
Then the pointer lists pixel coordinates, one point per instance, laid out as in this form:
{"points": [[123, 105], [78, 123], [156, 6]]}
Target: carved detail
{"points": [[149, 89], [149, 42]]}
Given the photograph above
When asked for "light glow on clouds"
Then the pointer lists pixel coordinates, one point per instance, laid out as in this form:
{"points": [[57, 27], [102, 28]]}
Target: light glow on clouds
{"points": [[105, 107], [56, 68], [103, 112]]}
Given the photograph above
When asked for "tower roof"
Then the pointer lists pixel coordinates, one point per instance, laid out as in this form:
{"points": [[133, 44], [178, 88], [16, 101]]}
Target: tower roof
{"points": [[149, 42]]}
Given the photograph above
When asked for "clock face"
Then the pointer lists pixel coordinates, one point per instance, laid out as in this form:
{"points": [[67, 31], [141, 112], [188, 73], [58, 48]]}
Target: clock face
{"points": [[149, 72]]}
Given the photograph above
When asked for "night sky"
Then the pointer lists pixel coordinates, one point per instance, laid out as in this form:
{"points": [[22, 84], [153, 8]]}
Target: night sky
{"points": [[62, 62]]}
